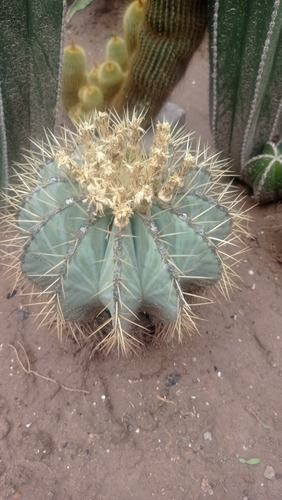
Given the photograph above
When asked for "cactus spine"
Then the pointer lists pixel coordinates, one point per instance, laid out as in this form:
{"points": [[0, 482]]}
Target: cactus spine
{"points": [[108, 231], [246, 80]]}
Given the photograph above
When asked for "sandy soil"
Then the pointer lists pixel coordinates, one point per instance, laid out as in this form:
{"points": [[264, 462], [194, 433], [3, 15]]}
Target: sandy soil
{"points": [[173, 423]]}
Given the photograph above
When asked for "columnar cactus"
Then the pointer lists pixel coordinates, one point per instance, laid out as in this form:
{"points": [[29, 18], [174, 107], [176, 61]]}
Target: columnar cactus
{"points": [[246, 82], [108, 231], [170, 33], [30, 61]]}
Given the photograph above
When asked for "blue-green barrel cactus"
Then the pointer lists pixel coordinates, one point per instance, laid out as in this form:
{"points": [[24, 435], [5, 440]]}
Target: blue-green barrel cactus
{"points": [[108, 231]]}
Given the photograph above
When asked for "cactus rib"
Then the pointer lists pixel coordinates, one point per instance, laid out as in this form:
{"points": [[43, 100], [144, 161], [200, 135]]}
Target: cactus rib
{"points": [[108, 231]]}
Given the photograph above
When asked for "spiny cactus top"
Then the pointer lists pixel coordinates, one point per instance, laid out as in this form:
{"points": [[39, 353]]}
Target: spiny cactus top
{"points": [[109, 231]]}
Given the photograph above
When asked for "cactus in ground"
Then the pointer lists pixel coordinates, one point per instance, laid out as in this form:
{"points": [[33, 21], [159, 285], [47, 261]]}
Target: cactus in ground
{"points": [[74, 74], [264, 173], [108, 231], [132, 20], [170, 33], [90, 98], [116, 51], [30, 61], [110, 79], [92, 76], [246, 83]]}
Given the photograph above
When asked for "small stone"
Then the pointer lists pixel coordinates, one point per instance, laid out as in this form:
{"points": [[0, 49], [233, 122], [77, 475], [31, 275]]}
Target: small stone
{"points": [[22, 314], [208, 436], [269, 472], [172, 379], [4, 427]]}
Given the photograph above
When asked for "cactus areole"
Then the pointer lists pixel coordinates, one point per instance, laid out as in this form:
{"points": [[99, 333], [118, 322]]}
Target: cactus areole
{"points": [[109, 231]]}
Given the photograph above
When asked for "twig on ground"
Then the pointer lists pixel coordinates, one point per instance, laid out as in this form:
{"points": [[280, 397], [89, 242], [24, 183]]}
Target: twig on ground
{"points": [[29, 371]]}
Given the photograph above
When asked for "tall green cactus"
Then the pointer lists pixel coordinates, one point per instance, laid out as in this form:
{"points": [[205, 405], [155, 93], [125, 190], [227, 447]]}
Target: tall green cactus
{"points": [[170, 33], [31, 46], [108, 231], [246, 82]]}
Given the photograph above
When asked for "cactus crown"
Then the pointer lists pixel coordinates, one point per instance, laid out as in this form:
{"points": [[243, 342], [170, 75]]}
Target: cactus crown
{"points": [[109, 231]]}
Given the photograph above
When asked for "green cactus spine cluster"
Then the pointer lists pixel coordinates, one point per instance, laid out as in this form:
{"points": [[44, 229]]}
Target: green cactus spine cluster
{"points": [[108, 231], [246, 83]]}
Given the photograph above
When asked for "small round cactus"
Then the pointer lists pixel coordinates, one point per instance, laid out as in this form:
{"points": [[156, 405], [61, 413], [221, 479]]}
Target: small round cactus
{"points": [[116, 51], [110, 79], [264, 173], [90, 98], [109, 231]]}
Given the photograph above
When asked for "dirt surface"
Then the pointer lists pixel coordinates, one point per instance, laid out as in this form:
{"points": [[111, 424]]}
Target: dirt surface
{"points": [[175, 422]]}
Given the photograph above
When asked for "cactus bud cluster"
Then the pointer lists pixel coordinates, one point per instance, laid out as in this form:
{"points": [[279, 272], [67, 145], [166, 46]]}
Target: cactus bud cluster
{"points": [[83, 92], [108, 231]]}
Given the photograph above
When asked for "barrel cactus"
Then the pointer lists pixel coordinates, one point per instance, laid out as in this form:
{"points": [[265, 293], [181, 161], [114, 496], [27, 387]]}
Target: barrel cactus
{"points": [[264, 173], [109, 232]]}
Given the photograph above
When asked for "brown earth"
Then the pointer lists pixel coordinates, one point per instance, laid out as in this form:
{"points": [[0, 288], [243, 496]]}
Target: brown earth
{"points": [[173, 422]]}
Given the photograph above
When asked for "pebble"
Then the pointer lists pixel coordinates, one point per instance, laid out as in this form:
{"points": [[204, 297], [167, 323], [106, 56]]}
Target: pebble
{"points": [[4, 427], [269, 472], [208, 436]]}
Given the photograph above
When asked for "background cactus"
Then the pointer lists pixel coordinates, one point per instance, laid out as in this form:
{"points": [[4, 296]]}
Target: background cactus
{"points": [[108, 231], [132, 20], [246, 83], [167, 39], [73, 75], [264, 173], [116, 51], [31, 46], [245, 77]]}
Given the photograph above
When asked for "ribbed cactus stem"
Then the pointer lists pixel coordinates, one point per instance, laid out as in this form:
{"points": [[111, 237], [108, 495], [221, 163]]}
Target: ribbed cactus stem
{"points": [[91, 98], [92, 76], [108, 231], [116, 51], [31, 36], [168, 37], [264, 173], [246, 79], [132, 20], [74, 74], [110, 79]]}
